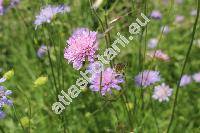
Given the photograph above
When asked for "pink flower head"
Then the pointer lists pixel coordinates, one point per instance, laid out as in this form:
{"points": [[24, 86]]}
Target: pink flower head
{"points": [[1, 2], [196, 77], [110, 79], [158, 54], [147, 78], [82, 45]]}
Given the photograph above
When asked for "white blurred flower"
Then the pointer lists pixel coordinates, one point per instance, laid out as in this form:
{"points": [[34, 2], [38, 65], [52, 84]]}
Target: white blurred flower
{"points": [[193, 12], [152, 43], [196, 77], [197, 42], [97, 3], [165, 29]]}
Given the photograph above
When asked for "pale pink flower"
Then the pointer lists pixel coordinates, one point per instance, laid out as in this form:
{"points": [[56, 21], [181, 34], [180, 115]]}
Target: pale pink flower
{"points": [[179, 19], [158, 54]]}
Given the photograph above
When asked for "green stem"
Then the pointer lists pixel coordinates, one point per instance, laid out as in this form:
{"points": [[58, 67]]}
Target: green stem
{"points": [[183, 69], [1, 129]]}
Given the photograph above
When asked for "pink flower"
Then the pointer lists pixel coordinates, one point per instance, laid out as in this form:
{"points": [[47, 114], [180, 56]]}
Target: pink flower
{"points": [[82, 45], [1, 2], [179, 19], [110, 79], [1, 7], [158, 54]]}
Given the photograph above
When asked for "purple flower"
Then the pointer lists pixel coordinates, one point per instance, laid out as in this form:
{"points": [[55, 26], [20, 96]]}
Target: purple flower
{"points": [[2, 114], [153, 43], [4, 100], [196, 77], [165, 29], [146, 78], [48, 12], [185, 80], [179, 19], [42, 51], [162, 92], [63, 8], [13, 3], [82, 45], [1, 7], [110, 79], [156, 14], [3, 79], [4, 97]]}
